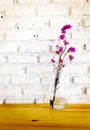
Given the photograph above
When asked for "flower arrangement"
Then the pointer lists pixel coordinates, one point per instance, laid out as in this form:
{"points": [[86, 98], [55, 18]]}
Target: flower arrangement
{"points": [[64, 53]]}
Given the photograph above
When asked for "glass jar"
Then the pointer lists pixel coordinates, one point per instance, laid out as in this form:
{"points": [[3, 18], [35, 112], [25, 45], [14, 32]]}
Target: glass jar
{"points": [[58, 101]]}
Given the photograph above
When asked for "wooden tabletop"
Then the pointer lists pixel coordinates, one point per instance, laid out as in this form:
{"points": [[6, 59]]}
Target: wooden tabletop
{"points": [[41, 117]]}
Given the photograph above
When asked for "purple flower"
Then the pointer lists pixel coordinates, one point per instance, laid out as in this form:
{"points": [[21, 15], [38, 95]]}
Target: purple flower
{"points": [[57, 52], [63, 51], [57, 46], [63, 65], [65, 42], [52, 60], [60, 49], [71, 57], [62, 36], [65, 27], [71, 49], [63, 31], [68, 26], [60, 60]]}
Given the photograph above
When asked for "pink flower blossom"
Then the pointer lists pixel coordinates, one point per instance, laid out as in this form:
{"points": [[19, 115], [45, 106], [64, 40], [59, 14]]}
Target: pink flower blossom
{"points": [[65, 42], [52, 60], [57, 52], [63, 65], [60, 49], [57, 46], [60, 60], [71, 57], [62, 37], [71, 49], [65, 27]]}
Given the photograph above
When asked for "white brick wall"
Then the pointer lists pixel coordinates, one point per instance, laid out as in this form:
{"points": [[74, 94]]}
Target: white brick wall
{"points": [[29, 30]]}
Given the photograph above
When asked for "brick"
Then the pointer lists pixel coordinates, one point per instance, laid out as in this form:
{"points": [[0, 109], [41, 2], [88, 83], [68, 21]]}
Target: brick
{"points": [[39, 68], [81, 57], [4, 80], [26, 99], [79, 80], [19, 100], [20, 11], [37, 48], [4, 3], [29, 2], [57, 22], [42, 34], [7, 24], [22, 58], [73, 69], [46, 78], [48, 34], [11, 68], [8, 47], [85, 57], [36, 22], [73, 92], [79, 48], [81, 10], [86, 10], [81, 35], [22, 79], [78, 99], [38, 92], [10, 92], [19, 35], [35, 91], [76, 10], [45, 58], [43, 100], [54, 10]]}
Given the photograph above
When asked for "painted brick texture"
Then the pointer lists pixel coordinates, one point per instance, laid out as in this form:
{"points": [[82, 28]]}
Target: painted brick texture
{"points": [[29, 31]]}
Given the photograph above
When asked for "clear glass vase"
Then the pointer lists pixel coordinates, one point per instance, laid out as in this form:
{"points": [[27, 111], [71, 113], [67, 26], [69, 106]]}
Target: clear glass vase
{"points": [[58, 103], [58, 100]]}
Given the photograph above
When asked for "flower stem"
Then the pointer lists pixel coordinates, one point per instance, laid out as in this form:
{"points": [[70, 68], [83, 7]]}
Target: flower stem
{"points": [[55, 84]]}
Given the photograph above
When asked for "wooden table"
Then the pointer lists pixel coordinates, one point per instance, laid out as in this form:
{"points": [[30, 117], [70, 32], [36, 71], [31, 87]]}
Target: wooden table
{"points": [[41, 117]]}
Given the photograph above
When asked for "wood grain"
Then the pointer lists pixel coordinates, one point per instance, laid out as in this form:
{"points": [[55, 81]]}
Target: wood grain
{"points": [[41, 117]]}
